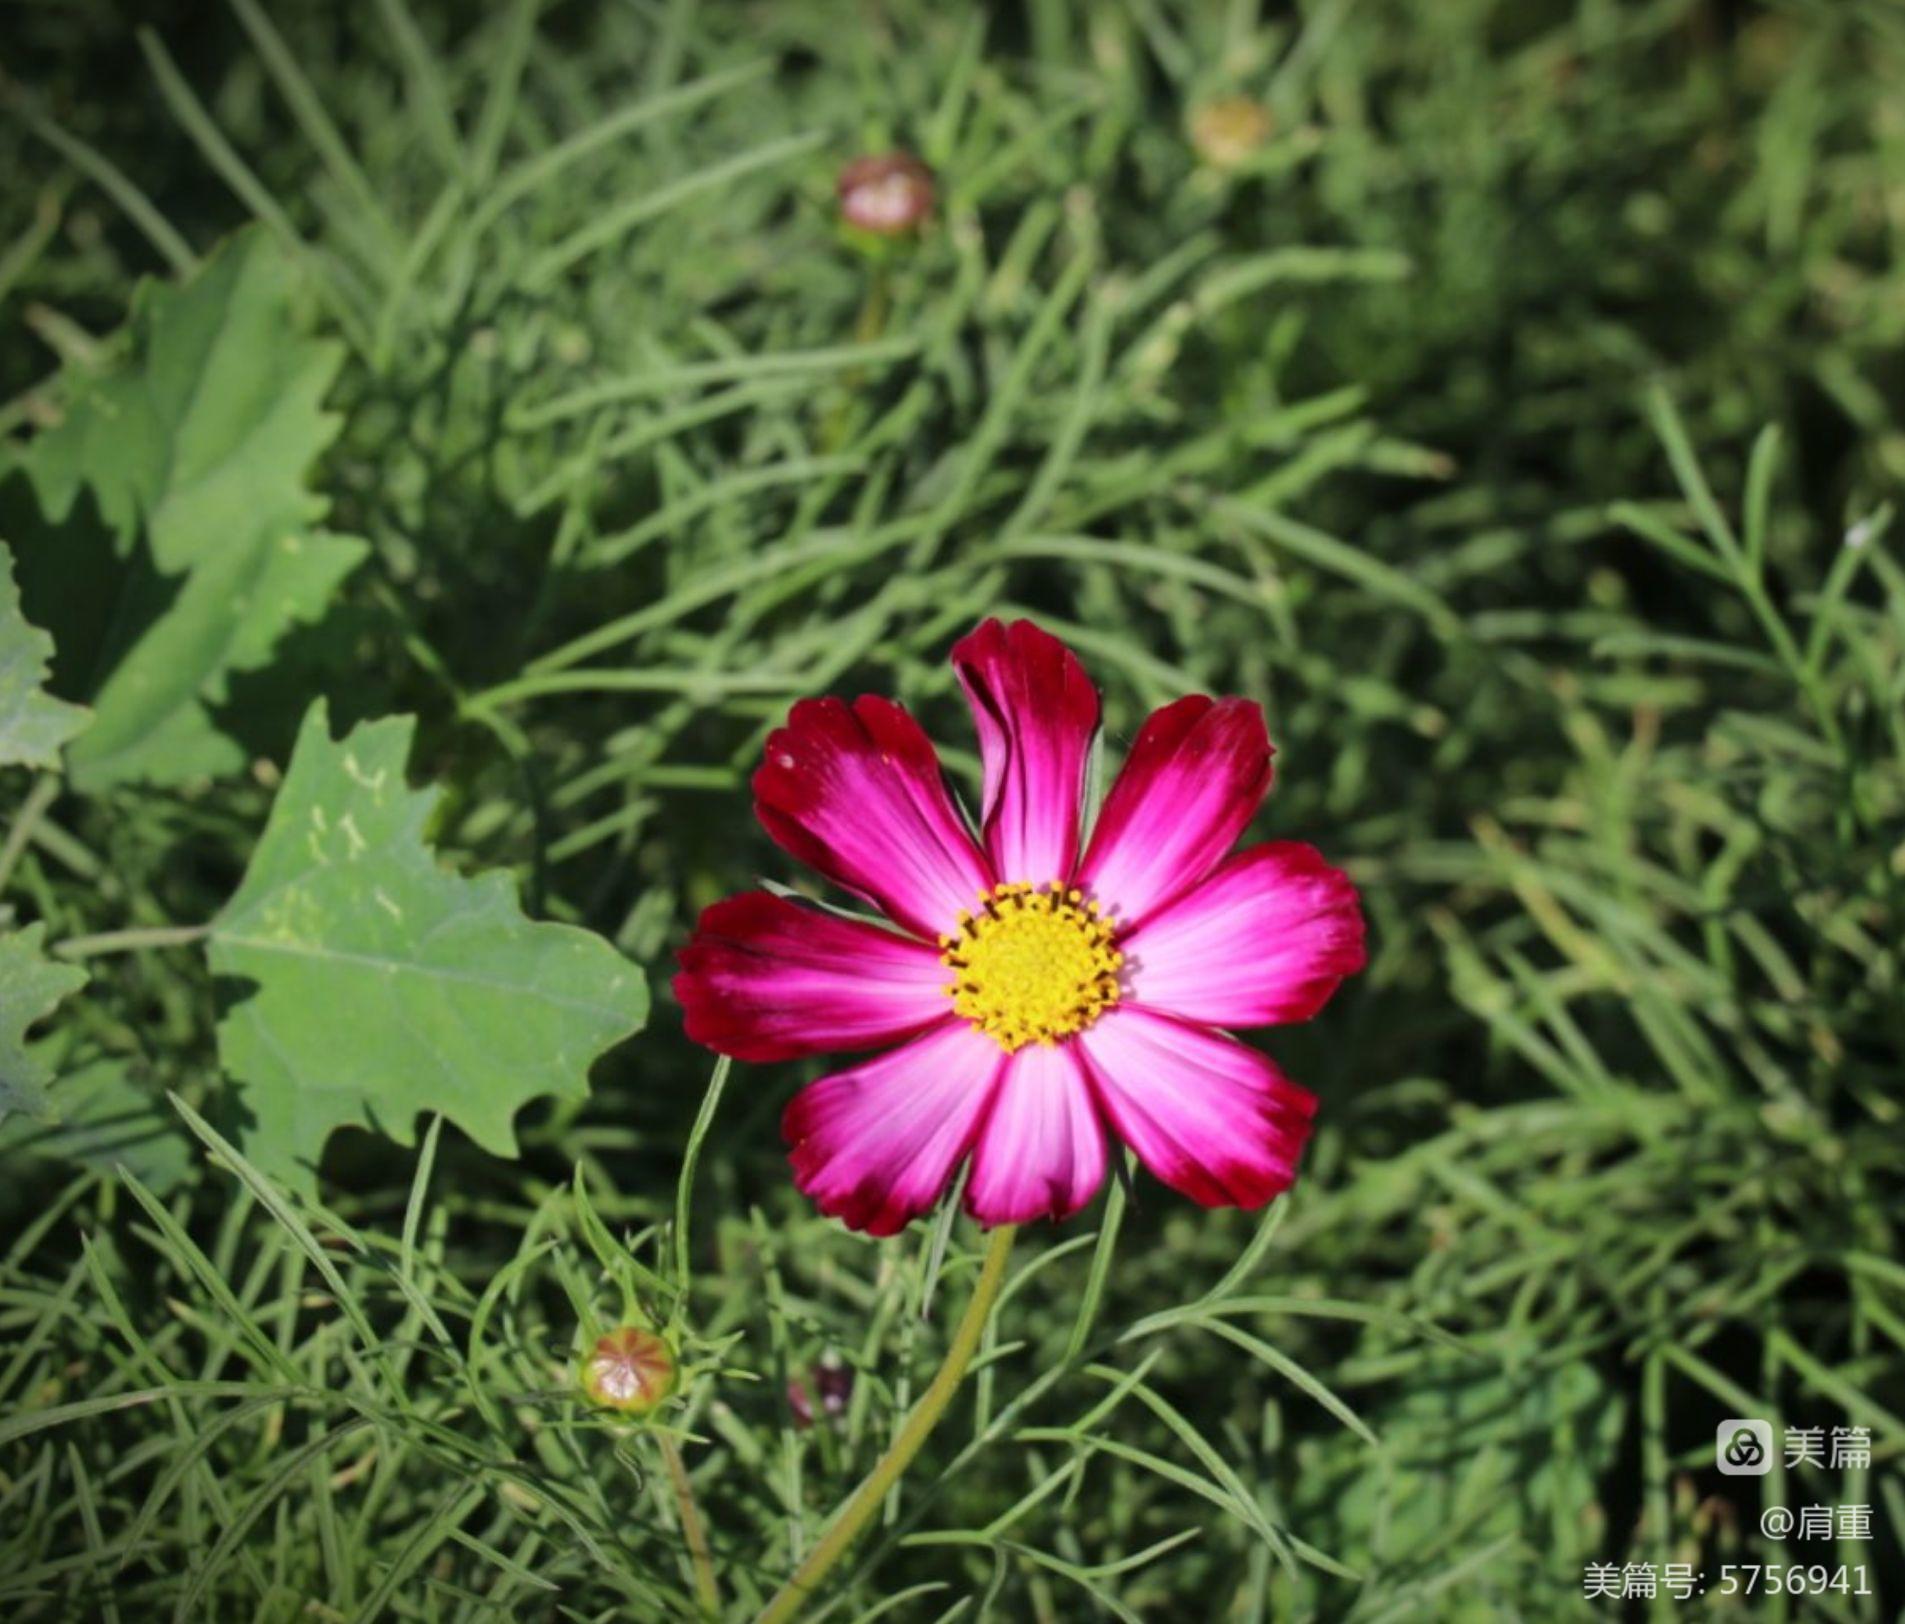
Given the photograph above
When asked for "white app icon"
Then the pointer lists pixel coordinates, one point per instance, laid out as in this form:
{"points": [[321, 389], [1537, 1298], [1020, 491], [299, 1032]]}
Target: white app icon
{"points": [[1744, 1448]]}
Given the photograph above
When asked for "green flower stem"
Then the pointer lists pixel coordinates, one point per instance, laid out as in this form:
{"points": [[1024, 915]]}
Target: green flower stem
{"points": [[867, 328], [873, 310], [853, 1516], [694, 1532]]}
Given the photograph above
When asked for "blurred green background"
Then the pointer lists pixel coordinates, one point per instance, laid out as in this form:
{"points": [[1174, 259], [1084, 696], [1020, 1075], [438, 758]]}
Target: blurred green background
{"points": [[1515, 413]]}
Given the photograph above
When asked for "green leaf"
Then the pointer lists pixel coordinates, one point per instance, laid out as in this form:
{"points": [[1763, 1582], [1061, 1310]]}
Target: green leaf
{"points": [[30, 986], [374, 985], [195, 443], [33, 725], [109, 1117]]}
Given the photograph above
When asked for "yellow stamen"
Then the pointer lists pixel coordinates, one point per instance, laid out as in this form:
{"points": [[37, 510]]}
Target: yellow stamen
{"points": [[1032, 964]]}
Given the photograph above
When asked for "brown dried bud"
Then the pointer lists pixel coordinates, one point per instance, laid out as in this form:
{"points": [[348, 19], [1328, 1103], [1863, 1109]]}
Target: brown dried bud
{"points": [[887, 194], [1229, 131], [631, 1370]]}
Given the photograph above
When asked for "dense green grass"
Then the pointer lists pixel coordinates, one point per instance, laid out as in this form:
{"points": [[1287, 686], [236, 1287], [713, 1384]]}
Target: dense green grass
{"points": [[1520, 425]]}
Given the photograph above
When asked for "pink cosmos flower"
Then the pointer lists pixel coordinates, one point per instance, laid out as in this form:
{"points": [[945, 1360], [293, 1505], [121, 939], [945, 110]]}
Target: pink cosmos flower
{"points": [[1042, 986]]}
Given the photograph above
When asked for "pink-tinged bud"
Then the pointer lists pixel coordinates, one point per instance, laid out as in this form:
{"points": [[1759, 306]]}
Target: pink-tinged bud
{"points": [[834, 1384], [1229, 131], [887, 194], [630, 1370]]}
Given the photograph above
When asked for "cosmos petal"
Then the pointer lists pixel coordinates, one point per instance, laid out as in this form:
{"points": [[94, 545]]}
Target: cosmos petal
{"points": [[1193, 779], [1211, 1118], [1265, 939], [766, 978], [856, 791], [1041, 1153], [876, 1146], [1036, 712]]}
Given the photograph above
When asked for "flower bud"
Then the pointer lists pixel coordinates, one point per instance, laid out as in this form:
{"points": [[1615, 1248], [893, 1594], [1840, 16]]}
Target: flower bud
{"points": [[835, 1385], [631, 1370], [1229, 131], [886, 194], [833, 1382]]}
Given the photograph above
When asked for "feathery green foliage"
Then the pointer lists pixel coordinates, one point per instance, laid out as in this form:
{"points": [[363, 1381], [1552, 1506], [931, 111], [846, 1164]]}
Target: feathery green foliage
{"points": [[1518, 422]]}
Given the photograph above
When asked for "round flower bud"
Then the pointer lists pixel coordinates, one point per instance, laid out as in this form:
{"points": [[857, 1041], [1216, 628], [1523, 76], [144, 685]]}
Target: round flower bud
{"points": [[834, 1384], [886, 194], [631, 1370], [1229, 131]]}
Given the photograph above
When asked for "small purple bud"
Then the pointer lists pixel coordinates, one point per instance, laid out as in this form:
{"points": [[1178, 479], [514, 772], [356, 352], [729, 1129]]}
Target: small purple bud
{"points": [[833, 1382], [631, 1370], [835, 1385], [887, 194]]}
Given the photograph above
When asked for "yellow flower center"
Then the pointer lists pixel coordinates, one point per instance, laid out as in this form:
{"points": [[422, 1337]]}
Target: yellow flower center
{"points": [[1032, 964]]}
